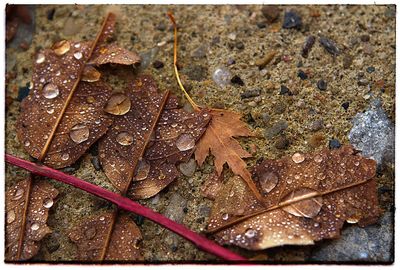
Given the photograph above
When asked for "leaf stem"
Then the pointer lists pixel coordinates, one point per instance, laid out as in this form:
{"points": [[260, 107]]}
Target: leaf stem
{"points": [[191, 101], [124, 203]]}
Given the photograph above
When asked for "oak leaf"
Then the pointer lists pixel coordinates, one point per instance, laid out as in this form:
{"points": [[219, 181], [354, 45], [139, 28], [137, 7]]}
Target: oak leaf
{"points": [[91, 235], [308, 197], [27, 207], [219, 139]]}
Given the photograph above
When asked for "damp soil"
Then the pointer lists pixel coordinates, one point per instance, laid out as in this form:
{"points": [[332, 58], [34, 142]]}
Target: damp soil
{"points": [[283, 101]]}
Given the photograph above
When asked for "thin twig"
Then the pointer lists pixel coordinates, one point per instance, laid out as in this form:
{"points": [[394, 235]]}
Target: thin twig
{"points": [[122, 202]]}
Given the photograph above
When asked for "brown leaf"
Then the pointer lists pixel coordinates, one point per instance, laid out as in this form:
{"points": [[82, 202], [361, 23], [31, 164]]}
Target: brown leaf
{"points": [[212, 186], [114, 55], [62, 117], [219, 139], [27, 207], [146, 143], [314, 195], [91, 236]]}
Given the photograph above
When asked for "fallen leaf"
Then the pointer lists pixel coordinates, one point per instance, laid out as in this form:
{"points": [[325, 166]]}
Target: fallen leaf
{"points": [[112, 54], [27, 207], [146, 143], [91, 236], [212, 186], [308, 197], [219, 139]]}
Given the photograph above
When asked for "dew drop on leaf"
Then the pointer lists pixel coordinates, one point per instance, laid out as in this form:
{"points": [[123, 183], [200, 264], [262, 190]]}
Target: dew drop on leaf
{"points": [[124, 138], [90, 74], [65, 156], [40, 58], [10, 216], [298, 158], [78, 55], [250, 233], [48, 202], [318, 158], [225, 216], [185, 142], [18, 194], [61, 47], [268, 181], [79, 133], [50, 91], [50, 110], [35, 226], [27, 143], [308, 208], [118, 104], [142, 170]]}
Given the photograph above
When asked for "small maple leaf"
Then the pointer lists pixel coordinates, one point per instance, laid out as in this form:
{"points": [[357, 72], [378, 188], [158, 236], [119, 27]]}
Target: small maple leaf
{"points": [[27, 208], [308, 197]]}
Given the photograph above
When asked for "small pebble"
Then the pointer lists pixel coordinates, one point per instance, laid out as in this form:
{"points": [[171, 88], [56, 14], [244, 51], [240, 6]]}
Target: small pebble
{"points": [[239, 45], [329, 45], [262, 62], [158, 64], [189, 168], [23, 92], [276, 129], [282, 143], [370, 69], [364, 38], [317, 125], [265, 117], [161, 26], [292, 20], [347, 61], [308, 44], [346, 105], [333, 143], [271, 13], [237, 80], [322, 85], [231, 62], [199, 52], [362, 82], [316, 140], [96, 163], [261, 25], [250, 93], [302, 75], [285, 91]]}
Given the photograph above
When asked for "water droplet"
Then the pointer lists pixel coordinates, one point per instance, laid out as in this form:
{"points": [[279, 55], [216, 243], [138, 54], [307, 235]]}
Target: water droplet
{"points": [[318, 158], [40, 58], [77, 45], [250, 233], [221, 77], [268, 181], [118, 104], [185, 142], [124, 138], [61, 47], [102, 218], [50, 110], [90, 74], [298, 158], [90, 233], [225, 216], [357, 163], [48, 202], [142, 170], [65, 156], [78, 55], [30, 85], [316, 225], [10, 216], [174, 125], [35, 226], [97, 121], [352, 220], [27, 143], [18, 194], [303, 202], [79, 133], [50, 91]]}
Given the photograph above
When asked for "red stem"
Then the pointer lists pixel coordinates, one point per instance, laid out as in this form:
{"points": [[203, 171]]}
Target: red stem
{"points": [[129, 205]]}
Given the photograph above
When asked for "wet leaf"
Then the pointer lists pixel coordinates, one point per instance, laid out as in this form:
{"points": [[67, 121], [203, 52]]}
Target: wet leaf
{"points": [[219, 139], [114, 55], [27, 207], [212, 186], [314, 195], [146, 143], [91, 235]]}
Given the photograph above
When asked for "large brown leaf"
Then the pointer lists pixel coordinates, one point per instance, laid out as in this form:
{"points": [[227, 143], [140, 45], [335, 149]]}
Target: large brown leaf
{"points": [[219, 139], [27, 207], [92, 234], [146, 143], [308, 197]]}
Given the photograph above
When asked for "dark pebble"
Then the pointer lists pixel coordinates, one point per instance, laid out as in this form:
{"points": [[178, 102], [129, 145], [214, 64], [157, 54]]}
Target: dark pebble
{"points": [[50, 14], [292, 20], [285, 91], [174, 248], [231, 62], [317, 125], [237, 80], [185, 210], [279, 108], [261, 25], [23, 92], [271, 13], [139, 220], [282, 143], [334, 144], [276, 129], [250, 93], [347, 61], [302, 75], [362, 82], [329, 45], [158, 64], [53, 244], [239, 45], [364, 38], [265, 118], [346, 105], [96, 163], [215, 40], [161, 26], [200, 220], [322, 85], [308, 44], [134, 38], [370, 69]]}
